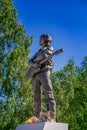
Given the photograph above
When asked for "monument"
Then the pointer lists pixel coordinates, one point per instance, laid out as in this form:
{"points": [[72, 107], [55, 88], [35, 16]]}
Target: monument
{"points": [[40, 66]]}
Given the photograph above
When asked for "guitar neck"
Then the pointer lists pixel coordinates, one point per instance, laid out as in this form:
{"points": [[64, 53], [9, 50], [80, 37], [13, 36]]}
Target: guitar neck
{"points": [[50, 56]]}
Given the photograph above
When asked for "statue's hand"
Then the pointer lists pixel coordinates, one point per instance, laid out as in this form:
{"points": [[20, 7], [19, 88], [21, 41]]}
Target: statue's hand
{"points": [[36, 65]]}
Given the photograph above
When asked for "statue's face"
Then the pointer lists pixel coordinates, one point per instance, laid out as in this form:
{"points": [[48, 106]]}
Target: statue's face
{"points": [[41, 42]]}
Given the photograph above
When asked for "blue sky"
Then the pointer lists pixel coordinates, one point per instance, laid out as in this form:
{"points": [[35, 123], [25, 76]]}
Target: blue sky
{"points": [[64, 20]]}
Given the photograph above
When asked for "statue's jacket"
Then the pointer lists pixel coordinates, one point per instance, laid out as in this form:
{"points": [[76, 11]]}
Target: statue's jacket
{"points": [[41, 55]]}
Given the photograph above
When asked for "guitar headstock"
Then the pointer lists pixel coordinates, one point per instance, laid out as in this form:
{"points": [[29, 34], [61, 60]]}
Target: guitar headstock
{"points": [[58, 51]]}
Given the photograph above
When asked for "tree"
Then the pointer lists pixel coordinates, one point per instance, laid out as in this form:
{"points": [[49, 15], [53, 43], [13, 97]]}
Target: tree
{"points": [[15, 89], [70, 90]]}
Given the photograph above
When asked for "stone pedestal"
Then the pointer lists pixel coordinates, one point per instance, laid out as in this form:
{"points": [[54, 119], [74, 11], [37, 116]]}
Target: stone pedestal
{"points": [[43, 126]]}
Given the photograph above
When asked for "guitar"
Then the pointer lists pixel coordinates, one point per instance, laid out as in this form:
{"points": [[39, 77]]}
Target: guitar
{"points": [[34, 70]]}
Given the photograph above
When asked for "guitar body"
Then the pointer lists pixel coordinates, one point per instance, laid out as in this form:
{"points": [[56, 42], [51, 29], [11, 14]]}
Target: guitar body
{"points": [[32, 71]]}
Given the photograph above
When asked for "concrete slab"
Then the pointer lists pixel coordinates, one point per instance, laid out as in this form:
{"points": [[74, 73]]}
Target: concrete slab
{"points": [[43, 126]]}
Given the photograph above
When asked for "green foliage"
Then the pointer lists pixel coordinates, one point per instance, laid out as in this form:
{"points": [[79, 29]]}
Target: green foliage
{"points": [[70, 90], [15, 89]]}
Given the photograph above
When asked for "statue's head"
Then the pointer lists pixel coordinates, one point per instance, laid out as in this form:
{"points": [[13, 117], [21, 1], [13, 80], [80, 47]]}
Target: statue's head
{"points": [[45, 39]]}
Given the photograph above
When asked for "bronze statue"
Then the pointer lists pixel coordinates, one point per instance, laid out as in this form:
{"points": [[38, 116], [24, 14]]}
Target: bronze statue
{"points": [[40, 66]]}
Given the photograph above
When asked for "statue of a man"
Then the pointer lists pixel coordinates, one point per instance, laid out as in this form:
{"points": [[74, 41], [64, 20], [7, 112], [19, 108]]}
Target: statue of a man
{"points": [[42, 78]]}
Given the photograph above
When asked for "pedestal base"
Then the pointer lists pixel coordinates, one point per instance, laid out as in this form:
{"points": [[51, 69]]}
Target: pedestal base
{"points": [[43, 126]]}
